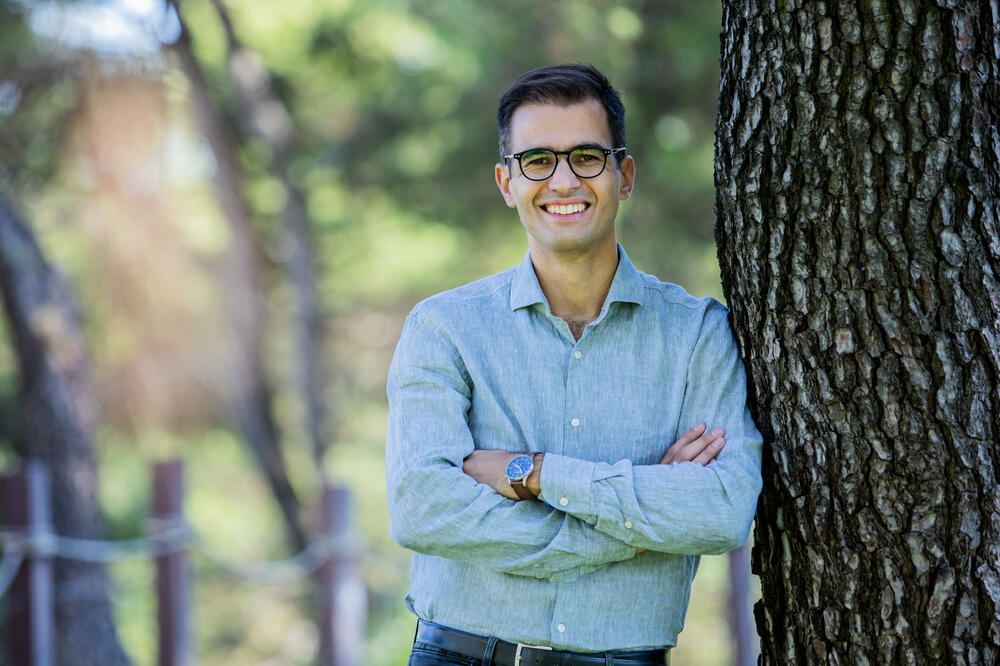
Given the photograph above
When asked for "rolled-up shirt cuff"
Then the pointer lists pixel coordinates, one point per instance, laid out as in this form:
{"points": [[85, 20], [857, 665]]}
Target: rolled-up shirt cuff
{"points": [[566, 484]]}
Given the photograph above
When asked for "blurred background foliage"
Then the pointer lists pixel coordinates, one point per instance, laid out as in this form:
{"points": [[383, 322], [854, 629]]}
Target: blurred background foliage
{"points": [[392, 108]]}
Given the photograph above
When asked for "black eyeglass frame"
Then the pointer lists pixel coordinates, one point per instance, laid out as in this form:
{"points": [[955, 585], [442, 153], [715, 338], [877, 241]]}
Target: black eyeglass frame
{"points": [[557, 153]]}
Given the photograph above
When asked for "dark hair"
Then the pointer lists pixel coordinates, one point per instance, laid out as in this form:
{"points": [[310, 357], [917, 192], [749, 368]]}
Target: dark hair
{"points": [[562, 84]]}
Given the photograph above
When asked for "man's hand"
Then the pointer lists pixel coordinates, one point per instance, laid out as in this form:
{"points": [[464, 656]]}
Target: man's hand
{"points": [[489, 466], [696, 445]]}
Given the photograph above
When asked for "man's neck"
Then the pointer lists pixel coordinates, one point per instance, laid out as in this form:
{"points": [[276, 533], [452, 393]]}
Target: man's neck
{"points": [[576, 285]]}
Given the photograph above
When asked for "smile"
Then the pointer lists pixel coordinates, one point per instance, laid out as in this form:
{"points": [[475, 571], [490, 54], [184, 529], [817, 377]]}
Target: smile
{"points": [[565, 209]]}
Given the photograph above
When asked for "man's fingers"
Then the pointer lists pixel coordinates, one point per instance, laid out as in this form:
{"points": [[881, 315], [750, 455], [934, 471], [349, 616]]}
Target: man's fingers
{"points": [[709, 453], [706, 439], [674, 452], [692, 450], [690, 435], [692, 446]]}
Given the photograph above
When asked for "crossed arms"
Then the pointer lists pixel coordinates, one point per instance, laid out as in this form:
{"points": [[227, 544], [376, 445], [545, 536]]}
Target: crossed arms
{"points": [[698, 445], [589, 514]]}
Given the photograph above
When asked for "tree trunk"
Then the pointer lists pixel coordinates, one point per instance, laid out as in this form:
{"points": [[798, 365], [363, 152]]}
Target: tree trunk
{"points": [[250, 393], [858, 196], [56, 418]]}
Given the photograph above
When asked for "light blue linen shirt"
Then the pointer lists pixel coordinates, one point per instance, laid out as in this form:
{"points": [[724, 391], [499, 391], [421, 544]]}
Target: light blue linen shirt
{"points": [[488, 366]]}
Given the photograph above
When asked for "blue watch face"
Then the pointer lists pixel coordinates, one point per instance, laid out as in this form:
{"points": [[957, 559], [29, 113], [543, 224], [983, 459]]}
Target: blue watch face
{"points": [[519, 467]]}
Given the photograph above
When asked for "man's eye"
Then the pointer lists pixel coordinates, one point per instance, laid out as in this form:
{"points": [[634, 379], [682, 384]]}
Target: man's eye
{"points": [[536, 160], [587, 156]]}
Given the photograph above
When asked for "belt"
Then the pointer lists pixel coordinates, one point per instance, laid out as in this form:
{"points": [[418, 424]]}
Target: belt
{"points": [[494, 651]]}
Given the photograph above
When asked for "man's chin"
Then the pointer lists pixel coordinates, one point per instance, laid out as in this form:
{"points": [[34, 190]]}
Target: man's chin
{"points": [[569, 245]]}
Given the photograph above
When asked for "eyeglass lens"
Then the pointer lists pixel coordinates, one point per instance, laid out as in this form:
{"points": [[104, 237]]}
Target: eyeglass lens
{"points": [[541, 163]]}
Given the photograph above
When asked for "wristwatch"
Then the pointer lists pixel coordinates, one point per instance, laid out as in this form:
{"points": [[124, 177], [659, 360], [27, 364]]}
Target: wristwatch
{"points": [[518, 470]]}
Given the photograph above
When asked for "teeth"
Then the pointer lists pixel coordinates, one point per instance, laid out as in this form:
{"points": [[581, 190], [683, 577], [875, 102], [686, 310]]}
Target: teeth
{"points": [[565, 209]]}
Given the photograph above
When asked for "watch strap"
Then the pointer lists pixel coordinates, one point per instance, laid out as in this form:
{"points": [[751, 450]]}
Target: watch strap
{"points": [[520, 490]]}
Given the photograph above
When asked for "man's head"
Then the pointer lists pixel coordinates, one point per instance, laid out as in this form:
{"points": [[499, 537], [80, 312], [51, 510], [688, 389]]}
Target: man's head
{"points": [[558, 136], [562, 85]]}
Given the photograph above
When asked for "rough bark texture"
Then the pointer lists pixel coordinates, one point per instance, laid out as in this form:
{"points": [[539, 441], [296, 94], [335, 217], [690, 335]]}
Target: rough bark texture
{"points": [[858, 197], [56, 418], [250, 394]]}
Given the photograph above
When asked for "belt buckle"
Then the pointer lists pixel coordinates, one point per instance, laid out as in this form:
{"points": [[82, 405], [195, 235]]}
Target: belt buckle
{"points": [[521, 646]]}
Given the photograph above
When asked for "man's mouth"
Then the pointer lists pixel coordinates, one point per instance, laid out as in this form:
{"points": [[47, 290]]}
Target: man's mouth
{"points": [[565, 209]]}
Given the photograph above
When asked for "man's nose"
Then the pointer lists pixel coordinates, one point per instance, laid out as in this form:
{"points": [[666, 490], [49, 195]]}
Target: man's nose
{"points": [[563, 179]]}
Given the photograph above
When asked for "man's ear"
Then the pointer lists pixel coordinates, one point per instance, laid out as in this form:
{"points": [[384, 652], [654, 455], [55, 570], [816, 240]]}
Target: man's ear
{"points": [[503, 182], [628, 177]]}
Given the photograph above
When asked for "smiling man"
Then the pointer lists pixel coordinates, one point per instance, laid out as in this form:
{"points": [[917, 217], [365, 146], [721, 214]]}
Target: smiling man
{"points": [[533, 457]]}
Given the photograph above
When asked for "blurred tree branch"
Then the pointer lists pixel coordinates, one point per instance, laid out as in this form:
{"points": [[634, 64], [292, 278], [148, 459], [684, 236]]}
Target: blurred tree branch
{"points": [[251, 394], [265, 117]]}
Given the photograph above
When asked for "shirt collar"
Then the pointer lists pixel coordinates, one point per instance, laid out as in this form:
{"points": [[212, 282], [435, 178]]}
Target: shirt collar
{"points": [[627, 286]]}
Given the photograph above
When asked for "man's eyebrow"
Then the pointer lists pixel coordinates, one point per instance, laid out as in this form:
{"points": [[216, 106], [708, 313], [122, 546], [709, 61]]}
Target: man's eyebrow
{"points": [[585, 144]]}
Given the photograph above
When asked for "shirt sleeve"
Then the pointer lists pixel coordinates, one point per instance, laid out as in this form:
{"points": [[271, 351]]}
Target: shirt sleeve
{"points": [[435, 508], [682, 508]]}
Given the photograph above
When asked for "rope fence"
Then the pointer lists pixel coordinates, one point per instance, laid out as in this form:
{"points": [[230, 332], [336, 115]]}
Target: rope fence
{"points": [[28, 545], [16, 545]]}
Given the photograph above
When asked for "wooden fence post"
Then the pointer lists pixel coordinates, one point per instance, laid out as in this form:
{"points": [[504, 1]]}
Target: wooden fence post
{"points": [[343, 598], [172, 584], [27, 505], [739, 608]]}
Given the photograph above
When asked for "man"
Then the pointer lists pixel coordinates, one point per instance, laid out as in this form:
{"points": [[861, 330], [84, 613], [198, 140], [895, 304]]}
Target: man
{"points": [[529, 462]]}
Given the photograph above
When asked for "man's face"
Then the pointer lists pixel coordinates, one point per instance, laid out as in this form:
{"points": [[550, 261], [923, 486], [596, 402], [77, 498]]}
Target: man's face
{"points": [[565, 214]]}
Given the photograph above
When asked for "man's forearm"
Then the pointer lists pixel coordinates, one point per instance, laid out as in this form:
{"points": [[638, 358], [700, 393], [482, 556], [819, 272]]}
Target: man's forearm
{"points": [[488, 465], [680, 509]]}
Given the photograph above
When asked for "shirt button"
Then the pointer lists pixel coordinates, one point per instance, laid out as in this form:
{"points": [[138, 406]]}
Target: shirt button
{"points": [[563, 501], [575, 423], [628, 524], [561, 628], [577, 355]]}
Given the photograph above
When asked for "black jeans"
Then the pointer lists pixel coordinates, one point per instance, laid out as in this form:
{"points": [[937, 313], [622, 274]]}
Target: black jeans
{"points": [[432, 653], [425, 654]]}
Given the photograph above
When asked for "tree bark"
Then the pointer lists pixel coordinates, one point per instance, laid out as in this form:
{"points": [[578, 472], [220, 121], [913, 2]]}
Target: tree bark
{"points": [[251, 392], [858, 196], [56, 418]]}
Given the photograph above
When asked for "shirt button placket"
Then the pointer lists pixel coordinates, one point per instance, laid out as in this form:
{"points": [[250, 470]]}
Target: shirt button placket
{"points": [[574, 378], [575, 409], [577, 354]]}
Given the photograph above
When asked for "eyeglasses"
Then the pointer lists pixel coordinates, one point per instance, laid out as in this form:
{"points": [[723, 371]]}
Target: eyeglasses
{"points": [[584, 161]]}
